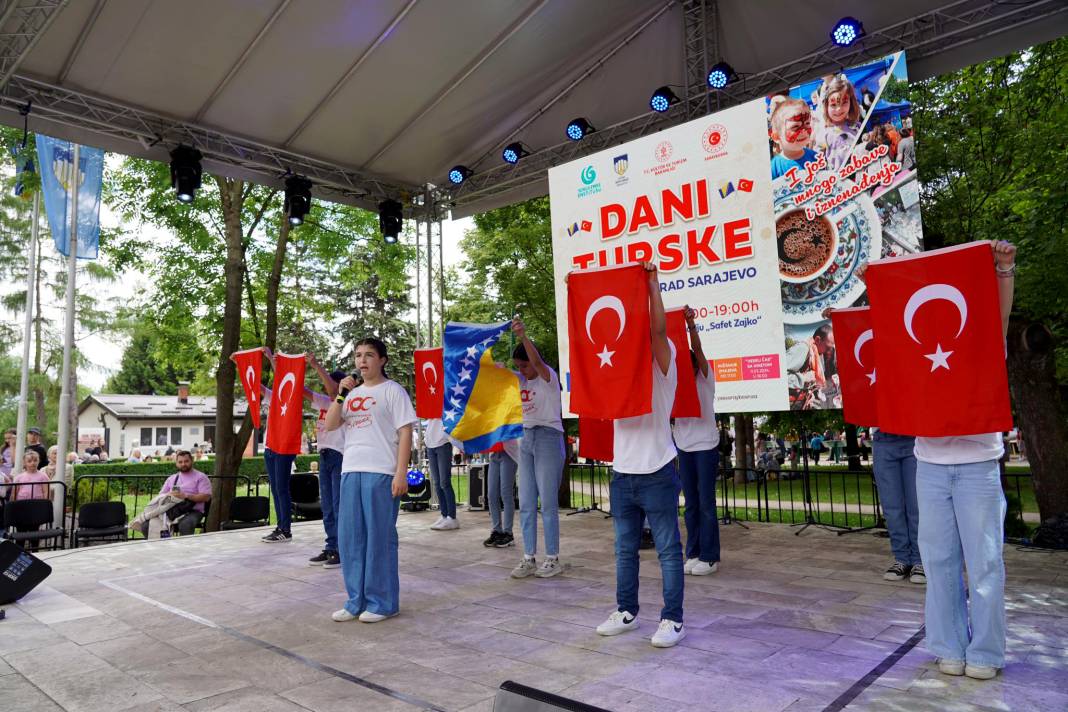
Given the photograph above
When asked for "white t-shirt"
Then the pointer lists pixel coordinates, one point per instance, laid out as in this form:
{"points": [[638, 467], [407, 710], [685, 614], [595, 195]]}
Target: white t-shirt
{"points": [[959, 449], [436, 436], [643, 444], [695, 434], [371, 417], [541, 401], [326, 439], [511, 448]]}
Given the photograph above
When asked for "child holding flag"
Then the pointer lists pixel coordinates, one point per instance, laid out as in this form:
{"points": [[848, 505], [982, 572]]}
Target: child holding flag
{"points": [[377, 417]]}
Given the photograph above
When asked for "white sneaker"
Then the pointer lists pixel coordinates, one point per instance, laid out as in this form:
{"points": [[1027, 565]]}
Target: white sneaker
{"points": [[550, 567], [342, 616], [368, 617], [618, 622], [703, 568], [951, 667], [437, 525], [526, 567], [980, 672], [668, 634], [687, 568], [448, 524]]}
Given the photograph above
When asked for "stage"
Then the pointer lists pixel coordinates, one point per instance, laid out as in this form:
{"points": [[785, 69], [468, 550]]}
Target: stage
{"points": [[225, 622]]}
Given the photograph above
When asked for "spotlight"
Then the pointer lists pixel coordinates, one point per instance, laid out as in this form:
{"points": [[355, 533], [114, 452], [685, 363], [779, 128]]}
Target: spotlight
{"points": [[459, 174], [390, 219], [721, 75], [847, 31], [298, 199], [663, 99], [578, 129], [418, 496], [513, 152], [185, 172]]}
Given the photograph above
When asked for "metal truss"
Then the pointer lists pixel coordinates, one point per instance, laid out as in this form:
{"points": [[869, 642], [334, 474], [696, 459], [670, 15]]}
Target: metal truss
{"points": [[22, 22], [952, 25], [701, 48]]}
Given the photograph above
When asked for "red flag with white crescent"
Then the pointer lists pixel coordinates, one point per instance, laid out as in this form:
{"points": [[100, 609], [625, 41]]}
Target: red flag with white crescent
{"points": [[940, 350], [249, 370], [596, 439], [608, 342], [855, 355], [687, 404], [286, 414], [429, 382]]}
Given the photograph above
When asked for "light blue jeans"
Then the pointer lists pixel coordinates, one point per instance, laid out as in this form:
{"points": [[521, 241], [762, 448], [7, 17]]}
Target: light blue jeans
{"points": [[367, 535], [962, 516], [895, 476], [330, 493], [441, 476], [541, 467], [501, 488]]}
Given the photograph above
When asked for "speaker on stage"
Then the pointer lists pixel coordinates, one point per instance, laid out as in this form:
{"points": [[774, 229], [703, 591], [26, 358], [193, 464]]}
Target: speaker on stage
{"points": [[20, 571], [418, 497], [477, 487], [513, 697]]}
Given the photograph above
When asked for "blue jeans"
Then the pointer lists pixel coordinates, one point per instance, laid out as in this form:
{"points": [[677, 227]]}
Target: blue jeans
{"points": [[962, 516], [367, 533], [541, 467], [895, 476], [279, 468], [698, 472], [655, 496], [330, 493], [501, 488], [441, 476]]}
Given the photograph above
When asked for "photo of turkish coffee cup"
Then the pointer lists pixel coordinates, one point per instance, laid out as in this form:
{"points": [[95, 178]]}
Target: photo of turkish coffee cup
{"points": [[806, 247]]}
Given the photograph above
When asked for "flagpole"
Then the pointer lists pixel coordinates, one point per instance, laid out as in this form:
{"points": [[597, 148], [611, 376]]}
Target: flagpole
{"points": [[68, 338], [27, 332]]}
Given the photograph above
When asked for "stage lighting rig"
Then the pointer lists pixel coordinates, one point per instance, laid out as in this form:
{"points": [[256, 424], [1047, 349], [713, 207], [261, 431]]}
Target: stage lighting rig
{"points": [[513, 152], [663, 99], [298, 199], [185, 172], [721, 75], [847, 31], [390, 220], [459, 174], [578, 129]]}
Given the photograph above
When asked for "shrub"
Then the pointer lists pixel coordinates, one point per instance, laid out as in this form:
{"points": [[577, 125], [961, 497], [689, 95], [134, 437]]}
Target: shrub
{"points": [[250, 466]]}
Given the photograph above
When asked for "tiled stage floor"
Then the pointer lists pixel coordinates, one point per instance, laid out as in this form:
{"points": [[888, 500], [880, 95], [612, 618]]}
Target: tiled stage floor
{"points": [[224, 622]]}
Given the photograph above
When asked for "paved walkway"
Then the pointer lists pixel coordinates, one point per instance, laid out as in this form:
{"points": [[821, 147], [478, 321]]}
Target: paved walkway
{"points": [[224, 622]]}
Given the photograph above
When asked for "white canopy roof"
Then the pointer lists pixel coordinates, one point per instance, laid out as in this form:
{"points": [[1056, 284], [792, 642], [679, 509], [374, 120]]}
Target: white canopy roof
{"points": [[376, 98]]}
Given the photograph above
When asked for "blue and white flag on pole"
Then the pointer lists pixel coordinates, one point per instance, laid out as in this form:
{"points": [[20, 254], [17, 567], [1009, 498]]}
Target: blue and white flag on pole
{"points": [[56, 159]]}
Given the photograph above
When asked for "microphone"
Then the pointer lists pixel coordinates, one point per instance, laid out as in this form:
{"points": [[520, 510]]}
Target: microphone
{"points": [[345, 391]]}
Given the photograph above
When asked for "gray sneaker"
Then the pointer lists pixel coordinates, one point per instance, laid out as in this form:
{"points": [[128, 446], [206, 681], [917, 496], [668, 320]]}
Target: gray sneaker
{"points": [[526, 567], [549, 567]]}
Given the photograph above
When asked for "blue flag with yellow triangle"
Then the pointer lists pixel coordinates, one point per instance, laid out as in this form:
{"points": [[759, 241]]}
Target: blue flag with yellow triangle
{"points": [[482, 406]]}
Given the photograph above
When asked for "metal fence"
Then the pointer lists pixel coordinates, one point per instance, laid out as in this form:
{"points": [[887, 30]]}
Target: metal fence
{"points": [[7, 490]]}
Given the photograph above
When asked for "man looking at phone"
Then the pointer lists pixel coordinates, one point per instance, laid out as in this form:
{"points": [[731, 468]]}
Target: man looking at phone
{"points": [[187, 485]]}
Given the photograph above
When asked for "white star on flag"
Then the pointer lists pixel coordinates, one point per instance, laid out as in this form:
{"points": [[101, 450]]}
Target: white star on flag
{"points": [[433, 391], [450, 415], [285, 406], [472, 351], [465, 374], [458, 390], [871, 378], [455, 403], [606, 356], [939, 359]]}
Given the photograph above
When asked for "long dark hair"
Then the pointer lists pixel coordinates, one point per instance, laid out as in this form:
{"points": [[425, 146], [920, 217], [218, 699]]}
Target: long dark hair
{"points": [[4, 446], [379, 347]]}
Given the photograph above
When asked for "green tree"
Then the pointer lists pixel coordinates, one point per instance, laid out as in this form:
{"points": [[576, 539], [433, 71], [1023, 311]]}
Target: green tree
{"points": [[141, 371]]}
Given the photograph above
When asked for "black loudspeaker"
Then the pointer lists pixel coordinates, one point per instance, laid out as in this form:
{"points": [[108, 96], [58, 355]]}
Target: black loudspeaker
{"points": [[477, 487], [20, 572], [513, 697]]}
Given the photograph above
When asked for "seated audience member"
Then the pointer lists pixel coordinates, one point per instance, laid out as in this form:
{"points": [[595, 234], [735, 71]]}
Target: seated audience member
{"points": [[135, 456], [181, 500], [53, 457], [31, 483]]}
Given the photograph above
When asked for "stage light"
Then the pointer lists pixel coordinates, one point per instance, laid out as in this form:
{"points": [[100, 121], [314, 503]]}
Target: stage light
{"points": [[721, 75], [417, 498], [415, 478], [578, 129], [459, 174], [390, 220], [847, 31], [663, 99], [185, 172], [513, 152], [298, 199]]}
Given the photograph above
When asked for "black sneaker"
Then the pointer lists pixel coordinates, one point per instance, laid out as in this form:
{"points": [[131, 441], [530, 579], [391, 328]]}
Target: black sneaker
{"points": [[504, 540], [333, 561], [647, 539], [277, 535], [897, 572], [493, 538], [319, 559]]}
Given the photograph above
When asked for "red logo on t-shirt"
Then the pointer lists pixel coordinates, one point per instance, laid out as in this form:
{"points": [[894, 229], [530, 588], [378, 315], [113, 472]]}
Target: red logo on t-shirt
{"points": [[361, 403]]}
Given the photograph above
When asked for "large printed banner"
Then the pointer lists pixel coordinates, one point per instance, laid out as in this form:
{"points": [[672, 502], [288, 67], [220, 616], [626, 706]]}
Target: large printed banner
{"points": [[757, 217]]}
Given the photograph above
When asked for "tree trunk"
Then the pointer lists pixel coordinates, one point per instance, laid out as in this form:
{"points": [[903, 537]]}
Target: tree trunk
{"points": [[1040, 413], [852, 446], [274, 282]]}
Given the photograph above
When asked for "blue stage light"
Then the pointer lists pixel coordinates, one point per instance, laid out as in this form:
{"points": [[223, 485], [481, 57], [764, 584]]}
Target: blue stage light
{"points": [[459, 174], [721, 75], [578, 129], [415, 478], [663, 99], [847, 31], [513, 152]]}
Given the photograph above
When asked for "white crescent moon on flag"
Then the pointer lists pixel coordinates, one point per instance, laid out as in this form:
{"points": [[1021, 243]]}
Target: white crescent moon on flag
{"points": [[430, 365], [606, 302], [861, 340], [290, 380], [929, 293], [250, 374]]}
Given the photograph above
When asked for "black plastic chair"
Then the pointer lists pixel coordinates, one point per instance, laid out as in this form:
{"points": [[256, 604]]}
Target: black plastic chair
{"points": [[247, 512], [30, 520], [304, 489], [101, 521]]}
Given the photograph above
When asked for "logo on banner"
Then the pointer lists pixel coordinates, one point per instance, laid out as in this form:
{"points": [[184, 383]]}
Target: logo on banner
{"points": [[63, 167], [665, 164], [663, 151], [590, 186], [620, 164], [714, 141], [584, 226]]}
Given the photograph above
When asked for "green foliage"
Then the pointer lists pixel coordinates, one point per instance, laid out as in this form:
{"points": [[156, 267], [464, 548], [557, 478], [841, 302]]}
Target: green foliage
{"points": [[250, 466], [141, 372]]}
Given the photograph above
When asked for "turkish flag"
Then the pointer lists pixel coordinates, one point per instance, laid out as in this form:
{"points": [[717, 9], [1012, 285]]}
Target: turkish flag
{"points": [[286, 414], [608, 342], [429, 382], [940, 352], [596, 439], [686, 403], [249, 370], [855, 355]]}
